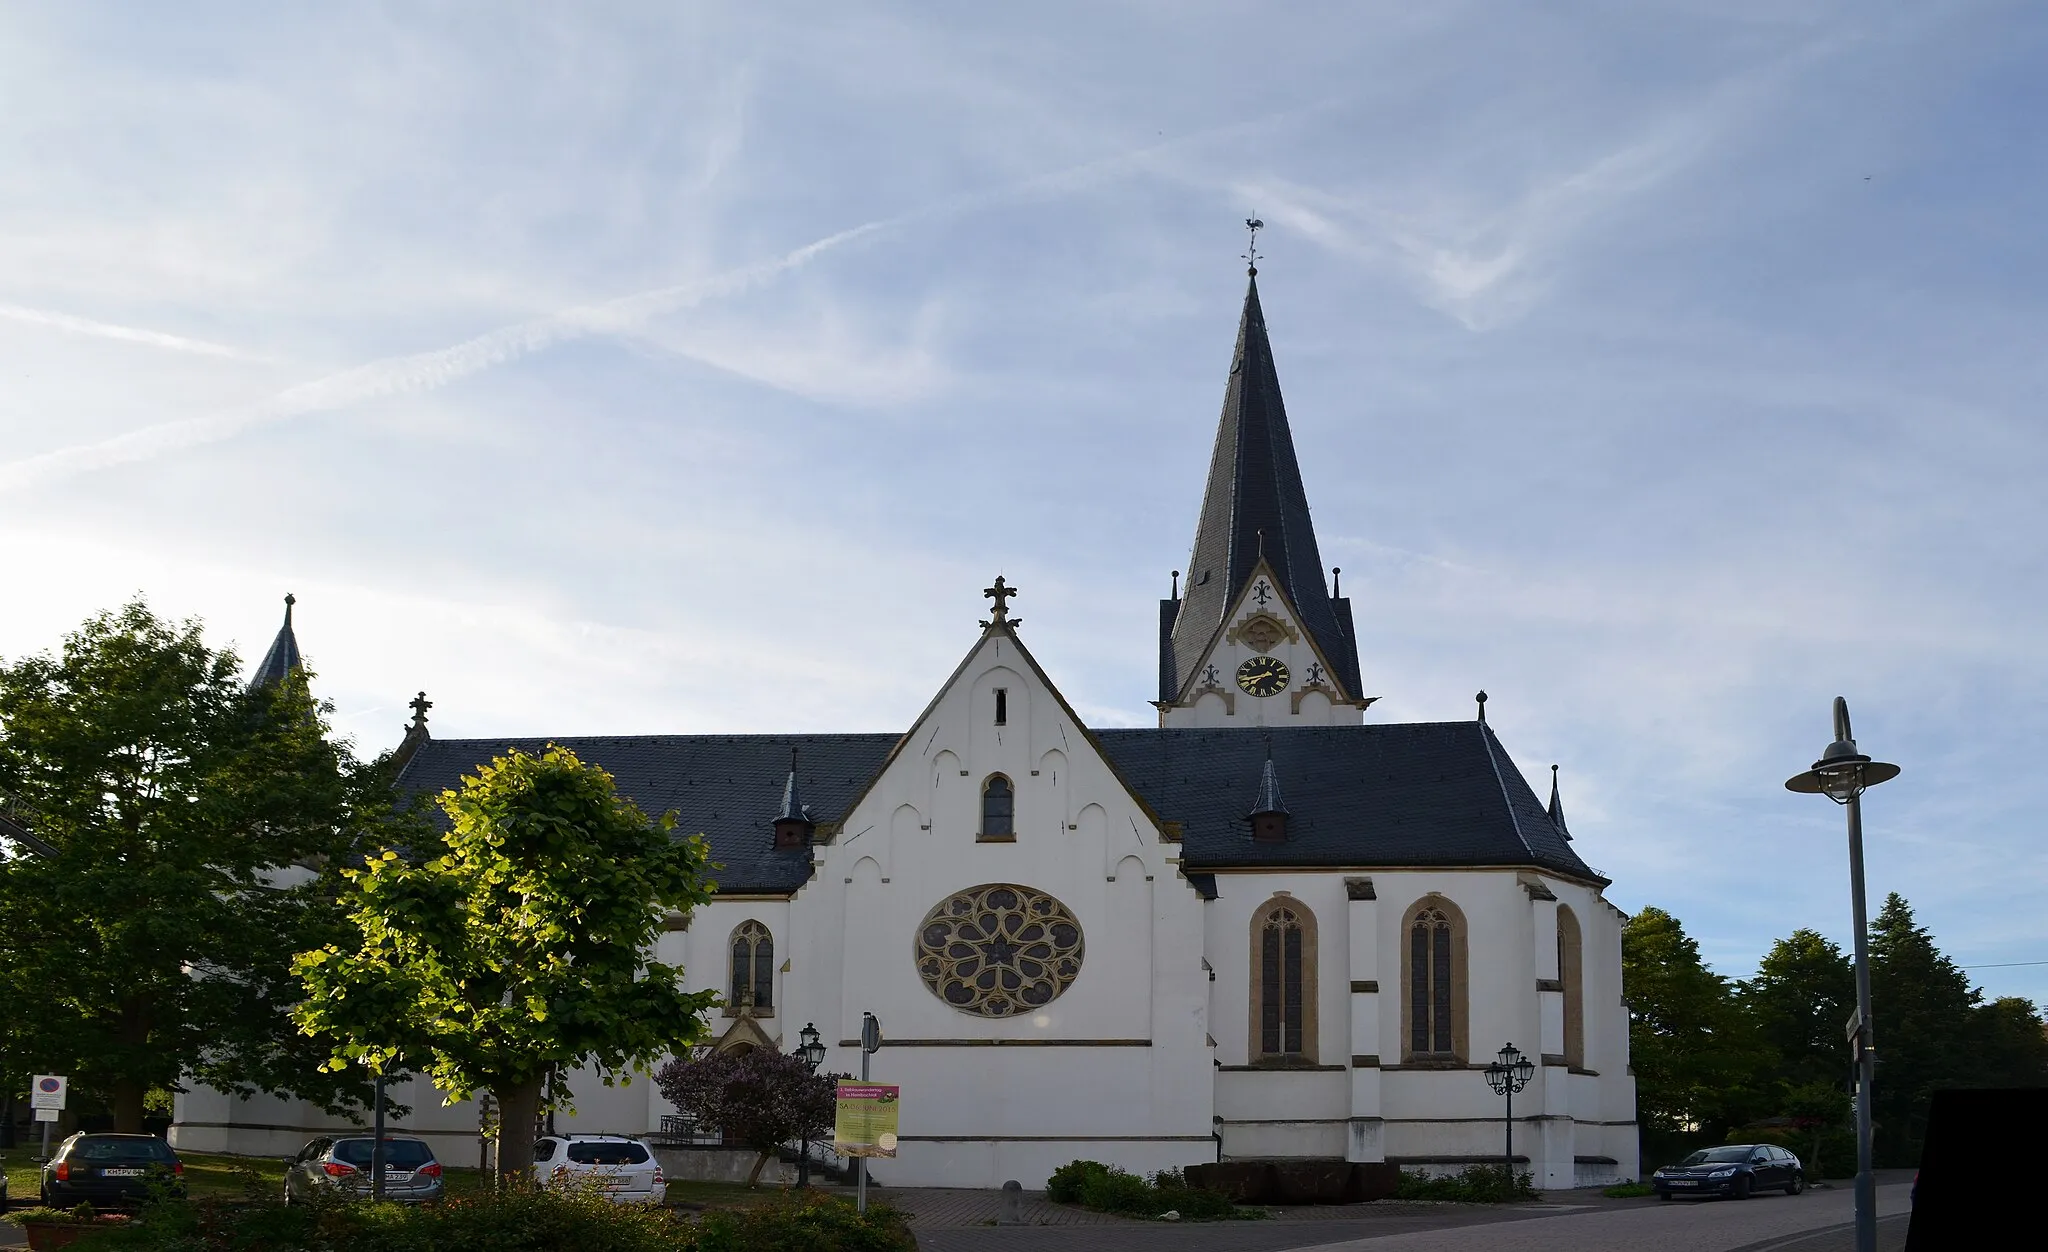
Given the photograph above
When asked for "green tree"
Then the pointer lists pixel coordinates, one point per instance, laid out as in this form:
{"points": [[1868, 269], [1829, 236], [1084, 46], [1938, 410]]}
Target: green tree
{"points": [[1698, 1064], [2012, 1044], [151, 944], [520, 947], [759, 1099], [1802, 995], [1923, 1011]]}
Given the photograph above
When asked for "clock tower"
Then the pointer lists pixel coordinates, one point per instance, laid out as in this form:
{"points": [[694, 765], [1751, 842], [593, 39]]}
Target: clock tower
{"points": [[1255, 636]]}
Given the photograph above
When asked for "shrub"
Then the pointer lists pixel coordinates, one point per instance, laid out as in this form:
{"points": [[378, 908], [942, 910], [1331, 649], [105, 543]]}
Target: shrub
{"points": [[1476, 1184], [1629, 1191], [517, 1220], [1108, 1189]]}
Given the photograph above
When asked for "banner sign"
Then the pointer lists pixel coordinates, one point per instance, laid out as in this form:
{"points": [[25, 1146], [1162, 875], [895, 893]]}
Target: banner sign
{"points": [[47, 1092], [865, 1124]]}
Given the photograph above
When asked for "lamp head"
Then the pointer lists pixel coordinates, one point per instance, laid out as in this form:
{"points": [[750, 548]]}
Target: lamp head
{"points": [[812, 1047], [1842, 773]]}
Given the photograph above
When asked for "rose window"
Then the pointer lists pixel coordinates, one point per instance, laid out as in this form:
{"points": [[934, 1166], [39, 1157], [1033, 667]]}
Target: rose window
{"points": [[998, 950]]}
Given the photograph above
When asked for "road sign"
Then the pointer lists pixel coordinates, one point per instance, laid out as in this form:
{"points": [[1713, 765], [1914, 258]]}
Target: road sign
{"points": [[870, 1033], [47, 1092], [46, 1115]]}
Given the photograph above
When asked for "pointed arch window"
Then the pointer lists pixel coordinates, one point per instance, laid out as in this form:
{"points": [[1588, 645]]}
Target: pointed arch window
{"points": [[753, 971], [998, 808], [1433, 981], [1283, 983], [1571, 975]]}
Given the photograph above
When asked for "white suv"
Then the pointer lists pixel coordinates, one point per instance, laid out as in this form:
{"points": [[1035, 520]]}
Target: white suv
{"points": [[624, 1168]]}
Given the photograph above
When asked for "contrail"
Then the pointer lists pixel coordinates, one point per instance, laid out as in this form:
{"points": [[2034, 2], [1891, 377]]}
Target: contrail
{"points": [[420, 371], [424, 371], [130, 334]]}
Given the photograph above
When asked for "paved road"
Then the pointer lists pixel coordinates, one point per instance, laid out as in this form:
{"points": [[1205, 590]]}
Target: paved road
{"points": [[1818, 1221]]}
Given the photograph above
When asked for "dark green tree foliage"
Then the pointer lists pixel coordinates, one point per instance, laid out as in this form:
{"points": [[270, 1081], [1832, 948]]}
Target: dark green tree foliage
{"points": [[1799, 1001], [155, 943], [518, 945], [1698, 1063], [2013, 1044]]}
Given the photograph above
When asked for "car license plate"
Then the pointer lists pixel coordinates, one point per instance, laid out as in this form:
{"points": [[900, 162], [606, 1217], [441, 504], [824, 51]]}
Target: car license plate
{"points": [[397, 1175], [1683, 1182], [121, 1173]]}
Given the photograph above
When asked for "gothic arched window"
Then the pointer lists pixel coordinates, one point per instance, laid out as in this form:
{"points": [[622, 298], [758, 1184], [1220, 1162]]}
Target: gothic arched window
{"points": [[1433, 980], [1283, 982], [998, 808], [1571, 974], [753, 970]]}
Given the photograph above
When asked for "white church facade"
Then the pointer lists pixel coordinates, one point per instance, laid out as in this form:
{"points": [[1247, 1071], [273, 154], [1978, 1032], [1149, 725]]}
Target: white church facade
{"points": [[1263, 929]]}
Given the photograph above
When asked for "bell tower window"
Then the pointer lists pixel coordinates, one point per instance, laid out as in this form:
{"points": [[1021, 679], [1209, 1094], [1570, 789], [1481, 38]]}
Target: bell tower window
{"points": [[1002, 706], [998, 808]]}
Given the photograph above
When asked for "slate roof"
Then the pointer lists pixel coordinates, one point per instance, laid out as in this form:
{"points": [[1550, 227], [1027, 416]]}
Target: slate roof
{"points": [[1420, 793], [729, 787], [1430, 793], [283, 656], [1254, 502]]}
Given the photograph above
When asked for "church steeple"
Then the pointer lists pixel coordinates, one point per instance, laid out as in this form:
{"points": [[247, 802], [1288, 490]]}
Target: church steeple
{"points": [[1254, 507], [283, 656]]}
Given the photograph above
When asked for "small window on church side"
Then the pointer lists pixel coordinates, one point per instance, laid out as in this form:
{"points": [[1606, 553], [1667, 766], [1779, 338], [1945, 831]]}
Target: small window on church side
{"points": [[998, 808], [753, 970], [1283, 955], [1002, 706], [1571, 975]]}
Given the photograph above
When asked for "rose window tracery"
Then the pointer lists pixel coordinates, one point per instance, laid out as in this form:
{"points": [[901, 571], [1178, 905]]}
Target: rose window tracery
{"points": [[999, 949]]}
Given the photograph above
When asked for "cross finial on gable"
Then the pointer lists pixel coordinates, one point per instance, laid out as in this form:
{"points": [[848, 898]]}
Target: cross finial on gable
{"points": [[1001, 594], [419, 706]]}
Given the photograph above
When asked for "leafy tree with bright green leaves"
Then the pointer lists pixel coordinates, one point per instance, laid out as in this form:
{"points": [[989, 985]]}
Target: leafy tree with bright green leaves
{"points": [[518, 946], [178, 805], [1802, 995], [1698, 1063]]}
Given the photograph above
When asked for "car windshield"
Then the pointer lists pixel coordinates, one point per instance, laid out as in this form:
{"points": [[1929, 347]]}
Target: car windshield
{"points": [[398, 1153], [586, 1153], [1718, 1156], [132, 1151]]}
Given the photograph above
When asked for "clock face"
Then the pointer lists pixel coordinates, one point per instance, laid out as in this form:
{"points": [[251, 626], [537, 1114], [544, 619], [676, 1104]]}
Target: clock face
{"points": [[1263, 676]]}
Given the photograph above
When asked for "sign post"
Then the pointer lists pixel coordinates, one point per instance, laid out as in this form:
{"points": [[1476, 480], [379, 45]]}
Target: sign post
{"points": [[864, 1121], [46, 1096]]}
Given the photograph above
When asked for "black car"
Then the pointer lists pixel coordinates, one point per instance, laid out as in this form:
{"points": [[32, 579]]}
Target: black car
{"points": [[1736, 1171], [110, 1171]]}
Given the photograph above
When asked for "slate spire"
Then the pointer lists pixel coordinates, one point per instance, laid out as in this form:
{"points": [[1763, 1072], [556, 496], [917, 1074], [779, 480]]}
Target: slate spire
{"points": [[1269, 811], [793, 824], [283, 656], [1254, 504], [1557, 806]]}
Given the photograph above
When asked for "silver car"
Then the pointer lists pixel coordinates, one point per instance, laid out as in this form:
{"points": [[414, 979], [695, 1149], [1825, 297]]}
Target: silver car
{"points": [[411, 1174]]}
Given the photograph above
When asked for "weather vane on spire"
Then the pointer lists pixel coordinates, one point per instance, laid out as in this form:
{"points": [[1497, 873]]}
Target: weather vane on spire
{"points": [[1251, 254]]}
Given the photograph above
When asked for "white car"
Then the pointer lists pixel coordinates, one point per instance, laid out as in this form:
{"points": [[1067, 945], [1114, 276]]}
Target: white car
{"points": [[624, 1168]]}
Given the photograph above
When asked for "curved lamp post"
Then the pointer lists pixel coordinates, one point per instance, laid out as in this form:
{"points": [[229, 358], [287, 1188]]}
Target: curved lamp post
{"points": [[1507, 1074], [811, 1050], [1843, 774]]}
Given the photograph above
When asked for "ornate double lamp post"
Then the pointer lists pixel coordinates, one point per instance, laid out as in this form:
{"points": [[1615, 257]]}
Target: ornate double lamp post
{"points": [[1843, 774], [1507, 1074], [811, 1049]]}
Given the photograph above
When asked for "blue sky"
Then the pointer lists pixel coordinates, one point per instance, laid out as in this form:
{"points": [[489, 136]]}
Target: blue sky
{"points": [[1663, 369]]}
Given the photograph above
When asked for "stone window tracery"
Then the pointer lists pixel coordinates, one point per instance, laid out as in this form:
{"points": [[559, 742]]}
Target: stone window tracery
{"points": [[999, 950], [1283, 983], [998, 808], [753, 970], [1433, 981]]}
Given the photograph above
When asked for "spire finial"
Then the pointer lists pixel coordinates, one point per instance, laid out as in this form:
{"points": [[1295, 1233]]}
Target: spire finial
{"points": [[1251, 254], [1556, 809], [419, 706], [1336, 581], [1176, 584], [1481, 697], [289, 601]]}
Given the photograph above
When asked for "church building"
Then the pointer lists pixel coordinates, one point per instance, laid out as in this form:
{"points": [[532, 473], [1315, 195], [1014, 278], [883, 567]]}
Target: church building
{"points": [[1264, 928]]}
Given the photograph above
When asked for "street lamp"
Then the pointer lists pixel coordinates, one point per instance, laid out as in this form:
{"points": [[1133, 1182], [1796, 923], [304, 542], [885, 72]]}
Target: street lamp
{"points": [[1843, 774], [1509, 1073], [811, 1050]]}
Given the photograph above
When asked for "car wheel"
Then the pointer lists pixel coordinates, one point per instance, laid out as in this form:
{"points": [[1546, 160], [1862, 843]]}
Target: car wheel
{"points": [[1740, 1189], [1663, 1195], [1797, 1185]]}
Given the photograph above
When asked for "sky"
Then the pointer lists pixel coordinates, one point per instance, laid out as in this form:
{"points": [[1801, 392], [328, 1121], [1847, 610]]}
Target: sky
{"points": [[1664, 369]]}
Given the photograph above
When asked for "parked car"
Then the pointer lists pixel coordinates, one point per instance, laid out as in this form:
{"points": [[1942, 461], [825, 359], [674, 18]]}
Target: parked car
{"points": [[110, 1171], [1736, 1170], [411, 1174], [623, 1167]]}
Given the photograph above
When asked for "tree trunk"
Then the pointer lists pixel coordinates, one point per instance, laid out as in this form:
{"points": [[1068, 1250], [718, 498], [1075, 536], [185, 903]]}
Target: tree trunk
{"points": [[754, 1175], [518, 1109], [127, 1102]]}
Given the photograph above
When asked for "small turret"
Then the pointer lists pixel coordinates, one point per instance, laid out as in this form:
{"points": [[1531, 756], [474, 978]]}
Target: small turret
{"points": [[283, 657], [1269, 812], [793, 824]]}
